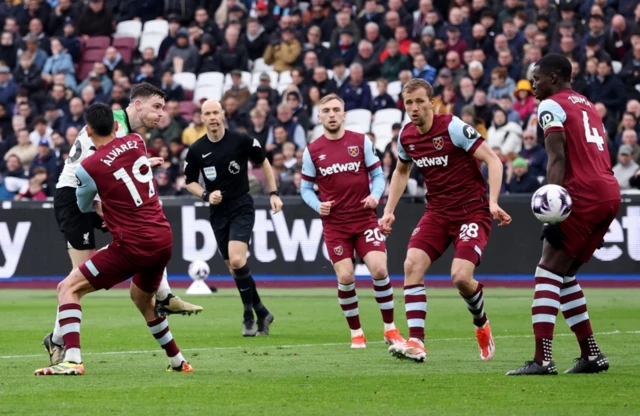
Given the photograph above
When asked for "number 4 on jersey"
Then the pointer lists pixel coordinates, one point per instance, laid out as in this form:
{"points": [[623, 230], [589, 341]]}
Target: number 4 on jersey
{"points": [[592, 133]]}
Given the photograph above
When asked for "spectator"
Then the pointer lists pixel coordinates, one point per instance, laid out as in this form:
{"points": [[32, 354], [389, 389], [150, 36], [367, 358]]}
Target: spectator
{"points": [[164, 184], [70, 40], [59, 62], [34, 190], [465, 97], [113, 60], [8, 88], [8, 50], [279, 137], [343, 25], [27, 76], [468, 115], [522, 181], [608, 89], [300, 114], [504, 134], [368, 60], [196, 129], [445, 102], [501, 84], [41, 131], [421, 69], [24, 150], [38, 54], [454, 41], [234, 116], [96, 20], [314, 44], [525, 101], [284, 53], [626, 167], [182, 57], [173, 90], [289, 153], [506, 103], [167, 128], [292, 188], [173, 111], [295, 132], [45, 158], [340, 73], [259, 130], [630, 138], [383, 99], [534, 154], [356, 92], [65, 10], [170, 40], [12, 179], [207, 61], [630, 73], [255, 40], [394, 62], [75, 118], [238, 89]]}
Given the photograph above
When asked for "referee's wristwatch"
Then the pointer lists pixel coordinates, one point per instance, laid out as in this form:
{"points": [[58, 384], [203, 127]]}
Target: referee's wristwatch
{"points": [[276, 193], [205, 196]]}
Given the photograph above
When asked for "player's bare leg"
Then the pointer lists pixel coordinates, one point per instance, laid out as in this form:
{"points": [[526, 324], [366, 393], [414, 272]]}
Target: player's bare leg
{"points": [[471, 291], [549, 280], [53, 342], [348, 300], [574, 309], [251, 301], [167, 303], [70, 291], [159, 327], [415, 302], [376, 262]]}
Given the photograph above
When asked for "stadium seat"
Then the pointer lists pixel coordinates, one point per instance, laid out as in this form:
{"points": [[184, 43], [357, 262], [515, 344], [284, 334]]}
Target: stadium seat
{"points": [[359, 128], [406, 118], [160, 27], [394, 89], [412, 187], [326, 44], [125, 46], [374, 90], [210, 79], [151, 40], [207, 92], [187, 108], [93, 55], [358, 117], [387, 116], [97, 42], [617, 66], [259, 66], [383, 135], [186, 79], [128, 28], [84, 70]]}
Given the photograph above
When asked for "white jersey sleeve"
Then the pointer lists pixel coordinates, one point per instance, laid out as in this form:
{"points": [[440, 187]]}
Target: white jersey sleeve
{"points": [[551, 115], [81, 149]]}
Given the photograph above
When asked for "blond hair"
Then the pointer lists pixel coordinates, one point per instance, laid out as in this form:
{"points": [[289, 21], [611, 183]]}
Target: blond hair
{"points": [[330, 97]]}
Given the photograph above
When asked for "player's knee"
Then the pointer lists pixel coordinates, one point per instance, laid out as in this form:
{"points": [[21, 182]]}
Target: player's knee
{"points": [[378, 272], [237, 262], [461, 278], [411, 266], [345, 277], [62, 288]]}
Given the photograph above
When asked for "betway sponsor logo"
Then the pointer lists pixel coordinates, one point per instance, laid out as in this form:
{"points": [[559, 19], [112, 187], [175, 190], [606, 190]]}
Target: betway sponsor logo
{"points": [[432, 161], [340, 167], [614, 239]]}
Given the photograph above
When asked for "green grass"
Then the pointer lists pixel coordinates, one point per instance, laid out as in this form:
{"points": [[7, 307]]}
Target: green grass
{"points": [[306, 367]]}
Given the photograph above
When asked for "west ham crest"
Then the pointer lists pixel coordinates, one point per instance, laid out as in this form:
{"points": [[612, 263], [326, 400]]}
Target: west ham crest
{"points": [[338, 250], [353, 150], [438, 143], [415, 231]]}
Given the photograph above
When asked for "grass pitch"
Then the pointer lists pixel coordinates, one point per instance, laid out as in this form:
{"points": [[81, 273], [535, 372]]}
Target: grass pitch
{"points": [[306, 366]]}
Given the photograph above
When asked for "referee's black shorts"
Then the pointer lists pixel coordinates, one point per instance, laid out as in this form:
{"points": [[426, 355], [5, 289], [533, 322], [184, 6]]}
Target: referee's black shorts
{"points": [[76, 226], [232, 221]]}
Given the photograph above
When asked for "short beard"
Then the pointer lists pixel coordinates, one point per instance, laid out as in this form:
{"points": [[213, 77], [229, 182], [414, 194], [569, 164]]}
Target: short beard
{"points": [[332, 131]]}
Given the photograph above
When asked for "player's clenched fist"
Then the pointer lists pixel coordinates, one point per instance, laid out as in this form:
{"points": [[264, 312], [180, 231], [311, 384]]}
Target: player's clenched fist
{"points": [[325, 208], [386, 222], [156, 162], [370, 202], [215, 197], [500, 215]]}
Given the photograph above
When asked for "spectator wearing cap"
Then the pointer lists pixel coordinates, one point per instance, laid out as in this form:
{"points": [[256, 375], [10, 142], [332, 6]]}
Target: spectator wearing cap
{"points": [[427, 36], [445, 78], [172, 89], [608, 89], [593, 49], [368, 60], [596, 31], [509, 9], [265, 18], [45, 158], [522, 181], [264, 91], [65, 9], [340, 72], [8, 88], [394, 62], [232, 55], [524, 99], [24, 149], [236, 13], [70, 41], [182, 57], [283, 54], [96, 20], [59, 62], [26, 75], [238, 89], [346, 48], [356, 92], [255, 40], [626, 168]]}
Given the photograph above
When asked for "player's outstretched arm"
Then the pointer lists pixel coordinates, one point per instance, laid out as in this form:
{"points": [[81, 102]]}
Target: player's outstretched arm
{"points": [[495, 168], [269, 177], [554, 145]]}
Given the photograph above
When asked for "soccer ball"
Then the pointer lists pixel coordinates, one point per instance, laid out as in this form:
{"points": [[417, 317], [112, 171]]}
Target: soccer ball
{"points": [[551, 204], [199, 270]]}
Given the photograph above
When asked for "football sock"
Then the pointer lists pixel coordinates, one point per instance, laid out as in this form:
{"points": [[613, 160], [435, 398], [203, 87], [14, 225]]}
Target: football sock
{"points": [[546, 302], [574, 309], [245, 285], [70, 316], [383, 293], [260, 309], [57, 333], [415, 304], [475, 304], [163, 290], [348, 300], [160, 330]]}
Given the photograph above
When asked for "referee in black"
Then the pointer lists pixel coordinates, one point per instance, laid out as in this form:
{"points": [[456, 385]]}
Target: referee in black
{"points": [[222, 157]]}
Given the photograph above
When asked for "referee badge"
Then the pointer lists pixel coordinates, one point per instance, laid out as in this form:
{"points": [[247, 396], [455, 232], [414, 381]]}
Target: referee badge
{"points": [[210, 173]]}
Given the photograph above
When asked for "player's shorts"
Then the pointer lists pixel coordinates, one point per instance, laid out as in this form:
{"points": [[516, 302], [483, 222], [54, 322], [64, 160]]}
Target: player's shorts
{"points": [[361, 238], [585, 228], [76, 226], [436, 231], [116, 263], [232, 221]]}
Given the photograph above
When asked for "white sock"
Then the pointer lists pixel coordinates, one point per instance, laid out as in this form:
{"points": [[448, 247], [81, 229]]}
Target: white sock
{"points": [[163, 290], [389, 327], [73, 355], [417, 340], [57, 333], [176, 360], [356, 332]]}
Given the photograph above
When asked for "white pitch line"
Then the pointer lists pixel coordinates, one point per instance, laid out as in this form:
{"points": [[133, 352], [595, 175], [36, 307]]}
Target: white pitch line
{"points": [[332, 344]]}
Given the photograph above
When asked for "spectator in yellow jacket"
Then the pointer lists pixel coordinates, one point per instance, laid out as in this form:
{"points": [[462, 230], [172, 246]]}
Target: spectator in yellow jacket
{"points": [[196, 129], [283, 55]]}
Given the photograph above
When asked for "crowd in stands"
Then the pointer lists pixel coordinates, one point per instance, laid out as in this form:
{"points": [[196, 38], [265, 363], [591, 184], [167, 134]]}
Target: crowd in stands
{"points": [[270, 62]]}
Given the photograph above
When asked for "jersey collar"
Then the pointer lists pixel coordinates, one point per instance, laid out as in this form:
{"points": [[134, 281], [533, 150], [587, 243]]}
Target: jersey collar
{"points": [[126, 120]]}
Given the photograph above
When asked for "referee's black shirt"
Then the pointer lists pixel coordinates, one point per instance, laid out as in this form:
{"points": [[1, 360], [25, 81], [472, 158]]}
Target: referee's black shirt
{"points": [[223, 164]]}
